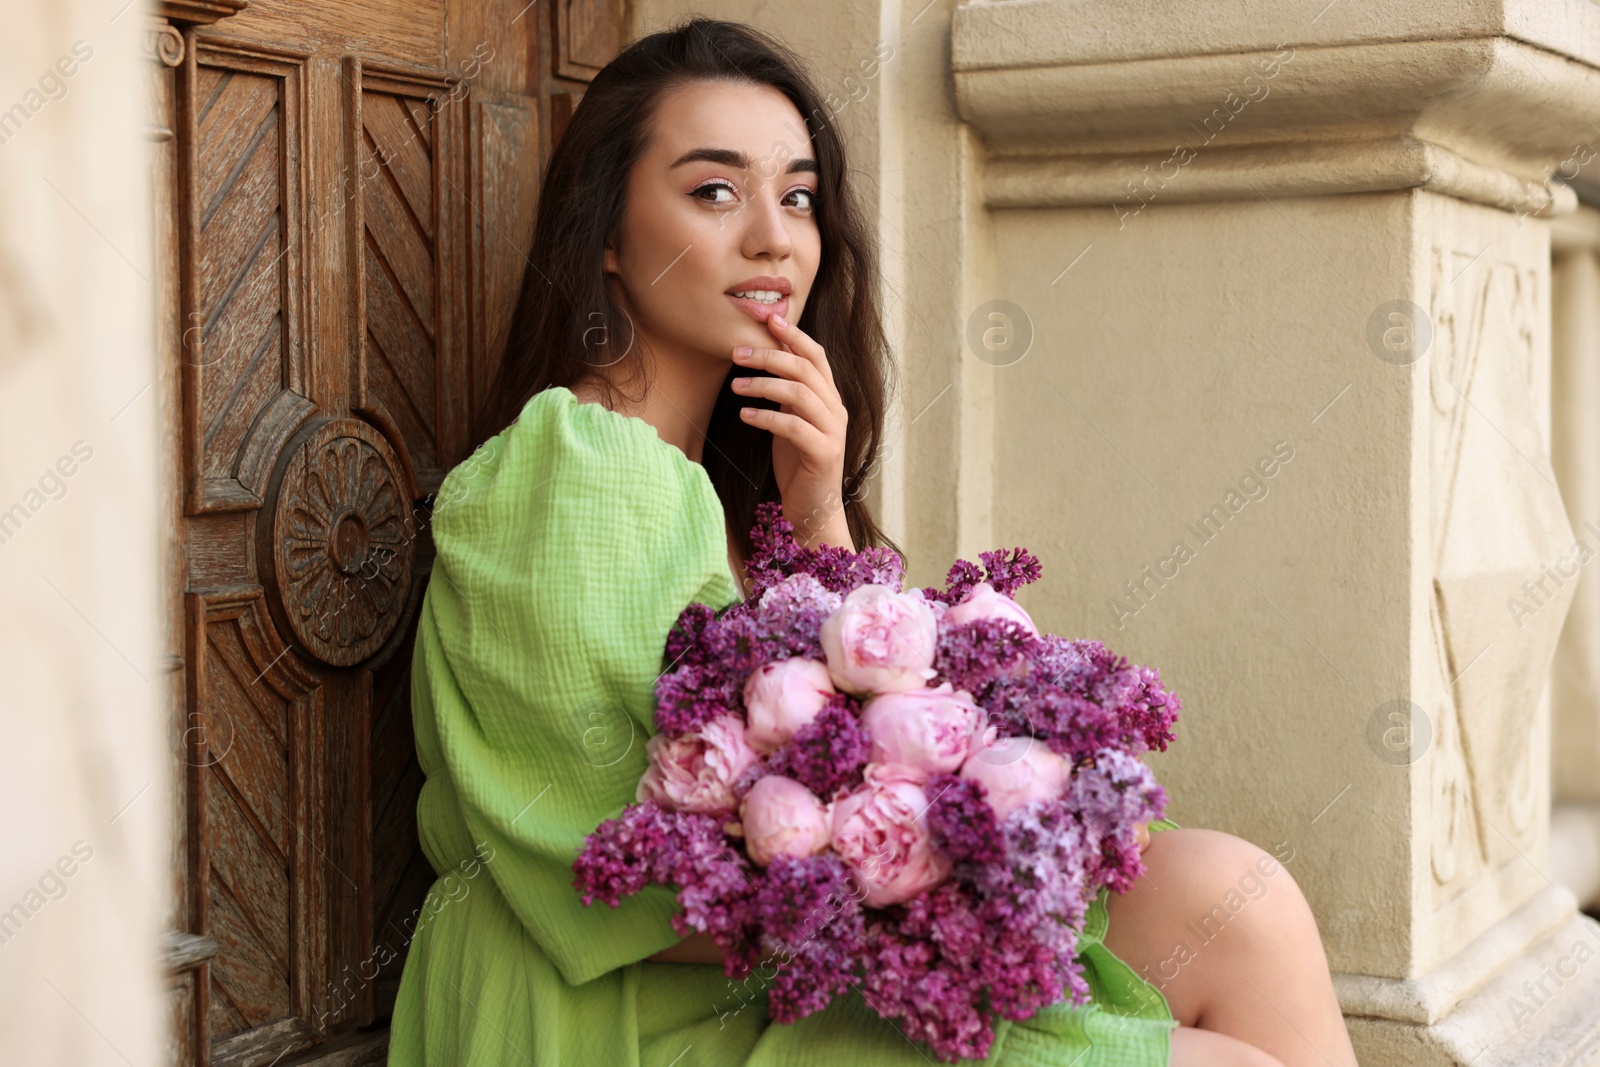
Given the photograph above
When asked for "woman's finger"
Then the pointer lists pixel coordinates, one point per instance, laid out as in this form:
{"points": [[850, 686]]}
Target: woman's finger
{"points": [[802, 344], [806, 437], [785, 365], [799, 397]]}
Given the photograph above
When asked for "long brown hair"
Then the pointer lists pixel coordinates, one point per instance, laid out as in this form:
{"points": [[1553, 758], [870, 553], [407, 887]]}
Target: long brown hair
{"points": [[562, 327]]}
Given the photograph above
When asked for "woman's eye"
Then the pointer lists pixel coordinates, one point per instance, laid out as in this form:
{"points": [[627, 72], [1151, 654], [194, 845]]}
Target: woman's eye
{"points": [[713, 186], [807, 197]]}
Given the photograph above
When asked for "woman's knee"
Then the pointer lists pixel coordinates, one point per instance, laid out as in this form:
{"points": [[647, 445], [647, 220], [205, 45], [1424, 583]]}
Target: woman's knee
{"points": [[1219, 878], [1207, 1048]]}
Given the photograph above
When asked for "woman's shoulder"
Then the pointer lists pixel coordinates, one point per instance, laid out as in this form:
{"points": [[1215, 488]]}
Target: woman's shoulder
{"points": [[564, 459], [579, 499], [558, 437], [556, 423]]}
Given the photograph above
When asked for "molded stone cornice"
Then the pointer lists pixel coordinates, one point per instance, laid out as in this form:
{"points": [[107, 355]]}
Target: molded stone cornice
{"points": [[1493, 119], [1057, 33]]}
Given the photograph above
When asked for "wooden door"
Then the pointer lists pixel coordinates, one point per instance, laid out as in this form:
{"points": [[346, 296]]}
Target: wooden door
{"points": [[345, 196]]}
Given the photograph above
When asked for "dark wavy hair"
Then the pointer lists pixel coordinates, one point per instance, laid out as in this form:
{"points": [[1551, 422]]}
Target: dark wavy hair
{"points": [[554, 339]]}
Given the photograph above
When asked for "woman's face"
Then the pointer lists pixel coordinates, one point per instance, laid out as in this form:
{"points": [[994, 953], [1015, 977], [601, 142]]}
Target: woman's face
{"points": [[720, 202]]}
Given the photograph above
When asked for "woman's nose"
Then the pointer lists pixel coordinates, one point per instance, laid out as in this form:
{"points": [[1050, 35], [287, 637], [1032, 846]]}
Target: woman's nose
{"points": [[766, 228]]}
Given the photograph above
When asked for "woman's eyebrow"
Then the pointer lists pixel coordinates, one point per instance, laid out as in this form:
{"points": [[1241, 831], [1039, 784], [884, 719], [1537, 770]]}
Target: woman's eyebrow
{"points": [[730, 157]]}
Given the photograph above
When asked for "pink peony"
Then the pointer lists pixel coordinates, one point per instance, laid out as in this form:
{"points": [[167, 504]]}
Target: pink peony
{"points": [[782, 697], [881, 833], [986, 602], [931, 729], [880, 641], [781, 817], [695, 772], [1017, 771]]}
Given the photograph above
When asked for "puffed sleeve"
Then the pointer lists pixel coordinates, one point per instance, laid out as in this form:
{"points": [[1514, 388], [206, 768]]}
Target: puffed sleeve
{"points": [[567, 546]]}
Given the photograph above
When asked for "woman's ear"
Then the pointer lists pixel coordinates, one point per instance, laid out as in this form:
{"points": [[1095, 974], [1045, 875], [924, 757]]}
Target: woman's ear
{"points": [[609, 264]]}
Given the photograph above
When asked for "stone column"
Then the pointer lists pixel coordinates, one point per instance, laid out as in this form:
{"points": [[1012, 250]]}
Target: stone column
{"points": [[1284, 432], [1575, 674]]}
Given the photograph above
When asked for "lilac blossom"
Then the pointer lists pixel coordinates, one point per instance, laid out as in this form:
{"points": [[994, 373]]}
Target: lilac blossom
{"points": [[1110, 798], [828, 753], [962, 822], [811, 923], [1006, 572]]}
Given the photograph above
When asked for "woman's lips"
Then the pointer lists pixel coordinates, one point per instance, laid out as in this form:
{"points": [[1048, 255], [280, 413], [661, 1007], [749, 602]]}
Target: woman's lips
{"points": [[759, 311]]}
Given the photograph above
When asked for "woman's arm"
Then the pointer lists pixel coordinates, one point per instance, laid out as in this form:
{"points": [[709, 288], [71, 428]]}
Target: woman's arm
{"points": [[696, 948], [500, 731]]}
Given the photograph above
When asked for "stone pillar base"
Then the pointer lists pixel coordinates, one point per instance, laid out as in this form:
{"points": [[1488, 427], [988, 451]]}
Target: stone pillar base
{"points": [[1524, 994]]}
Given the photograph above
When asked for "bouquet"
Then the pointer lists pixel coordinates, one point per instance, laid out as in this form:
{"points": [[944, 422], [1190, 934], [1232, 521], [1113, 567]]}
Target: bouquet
{"points": [[910, 793]]}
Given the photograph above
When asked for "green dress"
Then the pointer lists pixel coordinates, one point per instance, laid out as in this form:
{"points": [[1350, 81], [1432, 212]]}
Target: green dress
{"points": [[567, 546]]}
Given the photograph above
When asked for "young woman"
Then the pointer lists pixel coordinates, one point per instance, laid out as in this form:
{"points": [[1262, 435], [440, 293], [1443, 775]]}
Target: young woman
{"points": [[698, 332]]}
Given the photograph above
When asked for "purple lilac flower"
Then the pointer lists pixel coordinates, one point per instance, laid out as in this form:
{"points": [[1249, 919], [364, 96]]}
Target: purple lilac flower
{"points": [[812, 933], [799, 591], [961, 822], [1010, 572], [709, 680], [685, 642], [973, 654], [1145, 710], [1151, 710], [647, 845], [1072, 726], [1002, 932], [777, 555], [945, 968], [1049, 857], [827, 754], [1110, 798], [909, 980], [1005, 572]]}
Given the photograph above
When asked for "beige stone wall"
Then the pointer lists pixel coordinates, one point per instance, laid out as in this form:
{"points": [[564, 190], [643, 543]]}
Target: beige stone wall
{"points": [[84, 874], [1172, 366]]}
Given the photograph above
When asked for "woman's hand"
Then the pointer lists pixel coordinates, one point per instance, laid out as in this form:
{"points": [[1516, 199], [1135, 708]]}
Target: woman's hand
{"points": [[807, 431], [1141, 833]]}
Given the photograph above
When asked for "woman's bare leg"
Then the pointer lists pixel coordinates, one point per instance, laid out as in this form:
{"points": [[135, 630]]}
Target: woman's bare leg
{"points": [[1220, 927], [1207, 1048]]}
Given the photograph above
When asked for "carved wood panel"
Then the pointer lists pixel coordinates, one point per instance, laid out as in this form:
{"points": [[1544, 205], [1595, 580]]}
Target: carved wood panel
{"points": [[411, 277], [244, 307], [588, 34], [255, 756], [504, 136], [347, 201]]}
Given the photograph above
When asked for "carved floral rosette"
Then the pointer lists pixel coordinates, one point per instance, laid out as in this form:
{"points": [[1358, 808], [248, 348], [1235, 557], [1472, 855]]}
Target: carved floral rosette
{"points": [[338, 541]]}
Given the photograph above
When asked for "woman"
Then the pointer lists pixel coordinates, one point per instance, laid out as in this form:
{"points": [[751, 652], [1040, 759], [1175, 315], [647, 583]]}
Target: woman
{"points": [[699, 332]]}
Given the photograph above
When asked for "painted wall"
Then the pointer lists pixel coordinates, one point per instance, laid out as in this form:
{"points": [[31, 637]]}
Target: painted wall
{"points": [[84, 873]]}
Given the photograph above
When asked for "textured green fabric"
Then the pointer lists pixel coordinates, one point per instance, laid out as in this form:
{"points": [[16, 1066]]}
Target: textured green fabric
{"points": [[567, 546]]}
